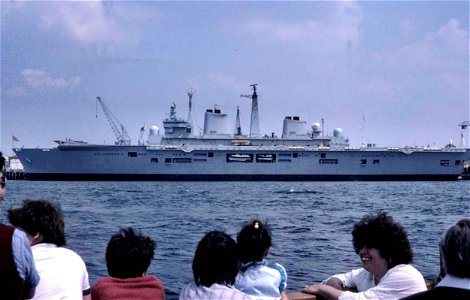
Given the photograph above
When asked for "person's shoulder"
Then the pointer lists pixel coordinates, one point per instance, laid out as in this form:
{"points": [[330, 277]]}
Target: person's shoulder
{"points": [[100, 282], [153, 279], [405, 269]]}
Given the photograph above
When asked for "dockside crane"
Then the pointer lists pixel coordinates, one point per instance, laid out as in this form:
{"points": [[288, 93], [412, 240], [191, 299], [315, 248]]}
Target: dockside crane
{"points": [[122, 138]]}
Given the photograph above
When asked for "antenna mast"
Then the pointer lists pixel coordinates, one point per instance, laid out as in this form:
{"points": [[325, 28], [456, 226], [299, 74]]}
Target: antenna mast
{"points": [[238, 128], [254, 124], [463, 126], [190, 118]]}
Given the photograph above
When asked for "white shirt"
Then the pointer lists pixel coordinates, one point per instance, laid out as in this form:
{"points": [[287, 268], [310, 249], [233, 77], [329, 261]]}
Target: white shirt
{"points": [[455, 282], [214, 292], [63, 273], [399, 282]]}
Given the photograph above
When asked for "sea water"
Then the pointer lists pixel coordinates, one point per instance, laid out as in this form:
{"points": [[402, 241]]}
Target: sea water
{"points": [[311, 222]]}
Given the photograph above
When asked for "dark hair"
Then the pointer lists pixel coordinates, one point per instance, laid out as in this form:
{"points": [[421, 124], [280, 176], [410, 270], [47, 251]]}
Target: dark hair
{"points": [[216, 260], [455, 248], [253, 241], [380, 231], [129, 254], [40, 216]]}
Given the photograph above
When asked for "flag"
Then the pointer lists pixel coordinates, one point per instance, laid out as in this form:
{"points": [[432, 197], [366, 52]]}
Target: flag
{"points": [[14, 138]]}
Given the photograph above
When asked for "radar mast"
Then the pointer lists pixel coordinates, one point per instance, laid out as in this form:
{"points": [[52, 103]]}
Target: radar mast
{"points": [[254, 124]]}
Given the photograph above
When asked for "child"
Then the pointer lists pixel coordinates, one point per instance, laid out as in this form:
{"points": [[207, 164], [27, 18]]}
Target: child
{"points": [[256, 277], [128, 257], [215, 267]]}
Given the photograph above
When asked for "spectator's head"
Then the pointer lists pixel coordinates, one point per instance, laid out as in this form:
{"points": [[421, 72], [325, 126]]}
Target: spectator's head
{"points": [[455, 249], [129, 254], [254, 241], [41, 220], [381, 232], [216, 260]]}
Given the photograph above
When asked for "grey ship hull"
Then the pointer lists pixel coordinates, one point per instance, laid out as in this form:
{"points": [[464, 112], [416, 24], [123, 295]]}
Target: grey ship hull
{"points": [[261, 163]]}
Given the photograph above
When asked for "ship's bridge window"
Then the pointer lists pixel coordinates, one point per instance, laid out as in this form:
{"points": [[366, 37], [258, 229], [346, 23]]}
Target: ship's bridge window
{"points": [[210, 154], [444, 162], [154, 160], [295, 155], [376, 162], [131, 154], [323, 155], [458, 162], [168, 160], [363, 161]]}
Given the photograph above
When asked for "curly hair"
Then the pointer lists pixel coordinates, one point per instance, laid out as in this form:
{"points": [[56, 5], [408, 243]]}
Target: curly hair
{"points": [[129, 254], [40, 216], [455, 249], [253, 241], [380, 231], [216, 260]]}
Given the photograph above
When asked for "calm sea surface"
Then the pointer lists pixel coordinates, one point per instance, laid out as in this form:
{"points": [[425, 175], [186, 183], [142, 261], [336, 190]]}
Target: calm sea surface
{"points": [[311, 221]]}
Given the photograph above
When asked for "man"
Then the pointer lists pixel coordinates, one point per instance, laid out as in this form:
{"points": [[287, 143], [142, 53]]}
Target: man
{"points": [[455, 256], [128, 257], [63, 272], [18, 275]]}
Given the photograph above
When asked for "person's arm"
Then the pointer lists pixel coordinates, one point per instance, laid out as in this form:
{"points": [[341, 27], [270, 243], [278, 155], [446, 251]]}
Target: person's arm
{"points": [[284, 296], [335, 282], [326, 291], [24, 262], [87, 297]]}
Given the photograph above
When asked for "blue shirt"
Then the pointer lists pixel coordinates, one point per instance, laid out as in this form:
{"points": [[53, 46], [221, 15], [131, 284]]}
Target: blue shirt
{"points": [[261, 280]]}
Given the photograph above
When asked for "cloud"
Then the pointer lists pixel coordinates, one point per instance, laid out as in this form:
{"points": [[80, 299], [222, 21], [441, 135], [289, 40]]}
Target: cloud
{"points": [[39, 79], [441, 50], [341, 31], [85, 22]]}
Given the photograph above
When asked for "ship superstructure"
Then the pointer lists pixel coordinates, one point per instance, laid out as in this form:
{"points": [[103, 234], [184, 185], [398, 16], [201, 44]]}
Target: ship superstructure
{"points": [[302, 152]]}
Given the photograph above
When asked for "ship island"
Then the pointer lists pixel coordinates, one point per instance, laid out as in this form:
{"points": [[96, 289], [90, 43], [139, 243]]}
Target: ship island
{"points": [[301, 153]]}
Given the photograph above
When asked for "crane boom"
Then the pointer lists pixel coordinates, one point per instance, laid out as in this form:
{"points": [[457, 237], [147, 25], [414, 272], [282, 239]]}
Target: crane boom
{"points": [[122, 138]]}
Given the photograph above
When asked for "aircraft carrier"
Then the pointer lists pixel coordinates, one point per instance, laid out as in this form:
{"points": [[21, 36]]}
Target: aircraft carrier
{"points": [[302, 153]]}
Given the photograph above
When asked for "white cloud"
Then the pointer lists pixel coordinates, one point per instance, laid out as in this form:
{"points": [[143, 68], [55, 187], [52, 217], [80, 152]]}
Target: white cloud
{"points": [[341, 32], [40, 79], [443, 49], [86, 22]]}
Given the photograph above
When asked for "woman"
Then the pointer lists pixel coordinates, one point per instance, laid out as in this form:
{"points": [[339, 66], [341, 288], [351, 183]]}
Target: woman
{"points": [[215, 266], [385, 252]]}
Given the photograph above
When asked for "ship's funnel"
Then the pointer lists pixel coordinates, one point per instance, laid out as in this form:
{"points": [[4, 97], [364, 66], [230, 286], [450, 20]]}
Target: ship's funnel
{"points": [[216, 124]]}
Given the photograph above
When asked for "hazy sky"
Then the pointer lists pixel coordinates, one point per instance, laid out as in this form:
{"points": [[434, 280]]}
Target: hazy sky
{"points": [[401, 66]]}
